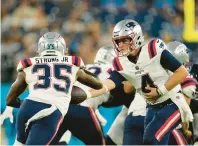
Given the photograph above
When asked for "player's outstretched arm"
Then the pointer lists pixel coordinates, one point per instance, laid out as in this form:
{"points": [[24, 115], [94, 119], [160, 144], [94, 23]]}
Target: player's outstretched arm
{"points": [[177, 77], [107, 86], [16, 89], [113, 81], [89, 80], [179, 74]]}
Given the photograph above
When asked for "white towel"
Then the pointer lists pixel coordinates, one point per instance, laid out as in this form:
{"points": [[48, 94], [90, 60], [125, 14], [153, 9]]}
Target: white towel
{"points": [[186, 114], [41, 114]]}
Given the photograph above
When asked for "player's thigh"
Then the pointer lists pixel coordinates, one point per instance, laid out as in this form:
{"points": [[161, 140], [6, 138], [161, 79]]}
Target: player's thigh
{"points": [[133, 130], [82, 122], [43, 131], [26, 111], [163, 122], [63, 128]]}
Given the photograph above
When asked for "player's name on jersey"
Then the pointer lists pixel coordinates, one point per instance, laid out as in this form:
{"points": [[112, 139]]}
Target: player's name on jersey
{"points": [[51, 59]]}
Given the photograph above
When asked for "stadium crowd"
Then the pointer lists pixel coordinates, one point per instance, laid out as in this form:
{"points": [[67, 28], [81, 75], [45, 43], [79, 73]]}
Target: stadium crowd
{"points": [[85, 24]]}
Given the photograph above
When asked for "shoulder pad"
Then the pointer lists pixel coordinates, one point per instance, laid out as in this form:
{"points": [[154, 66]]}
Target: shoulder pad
{"points": [[155, 46], [24, 64], [76, 60], [116, 64]]}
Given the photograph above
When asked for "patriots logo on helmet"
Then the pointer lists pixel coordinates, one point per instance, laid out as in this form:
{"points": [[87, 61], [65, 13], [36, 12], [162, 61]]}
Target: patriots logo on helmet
{"points": [[130, 24]]}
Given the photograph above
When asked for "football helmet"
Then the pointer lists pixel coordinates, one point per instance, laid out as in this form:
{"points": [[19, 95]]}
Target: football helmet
{"points": [[105, 55], [127, 29], [51, 43], [179, 51]]}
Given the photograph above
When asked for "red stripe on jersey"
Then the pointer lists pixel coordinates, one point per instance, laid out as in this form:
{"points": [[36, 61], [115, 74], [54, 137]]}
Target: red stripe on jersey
{"points": [[114, 67], [149, 50], [118, 63], [109, 70], [154, 47], [188, 82], [29, 61], [73, 59], [188, 79], [23, 63], [79, 61]]}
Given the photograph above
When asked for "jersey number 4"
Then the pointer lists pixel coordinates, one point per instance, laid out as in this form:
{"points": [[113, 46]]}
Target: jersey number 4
{"points": [[46, 77], [146, 80]]}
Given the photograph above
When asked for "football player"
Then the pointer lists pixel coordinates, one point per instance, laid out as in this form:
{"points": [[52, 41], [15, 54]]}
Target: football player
{"points": [[89, 119], [87, 112], [50, 78], [146, 66], [188, 89], [134, 122]]}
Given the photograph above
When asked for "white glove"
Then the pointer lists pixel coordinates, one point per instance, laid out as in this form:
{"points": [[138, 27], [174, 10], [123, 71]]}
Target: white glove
{"points": [[102, 120], [196, 143], [7, 114]]}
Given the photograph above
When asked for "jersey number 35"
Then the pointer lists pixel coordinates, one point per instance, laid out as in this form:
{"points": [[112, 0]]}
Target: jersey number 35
{"points": [[48, 71]]}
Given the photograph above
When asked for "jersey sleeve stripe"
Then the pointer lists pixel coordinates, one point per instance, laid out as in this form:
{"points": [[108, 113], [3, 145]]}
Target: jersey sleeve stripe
{"points": [[79, 61], [152, 49], [75, 60], [109, 70], [119, 65], [188, 82], [26, 62], [116, 64], [29, 61], [23, 63]]}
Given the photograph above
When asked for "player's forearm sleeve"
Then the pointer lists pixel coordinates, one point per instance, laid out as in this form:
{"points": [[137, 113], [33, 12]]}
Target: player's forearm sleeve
{"points": [[169, 62]]}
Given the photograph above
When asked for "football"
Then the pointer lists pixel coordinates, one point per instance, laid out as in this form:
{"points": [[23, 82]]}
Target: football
{"points": [[77, 95]]}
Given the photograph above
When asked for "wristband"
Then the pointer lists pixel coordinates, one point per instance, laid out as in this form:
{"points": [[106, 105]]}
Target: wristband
{"points": [[162, 90]]}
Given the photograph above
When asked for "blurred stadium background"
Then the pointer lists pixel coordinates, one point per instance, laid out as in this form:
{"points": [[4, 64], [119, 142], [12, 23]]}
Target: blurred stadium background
{"points": [[86, 26]]}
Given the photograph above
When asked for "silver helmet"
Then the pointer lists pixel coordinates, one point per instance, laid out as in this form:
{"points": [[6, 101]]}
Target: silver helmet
{"points": [[179, 51], [130, 29], [105, 55], [51, 43]]}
